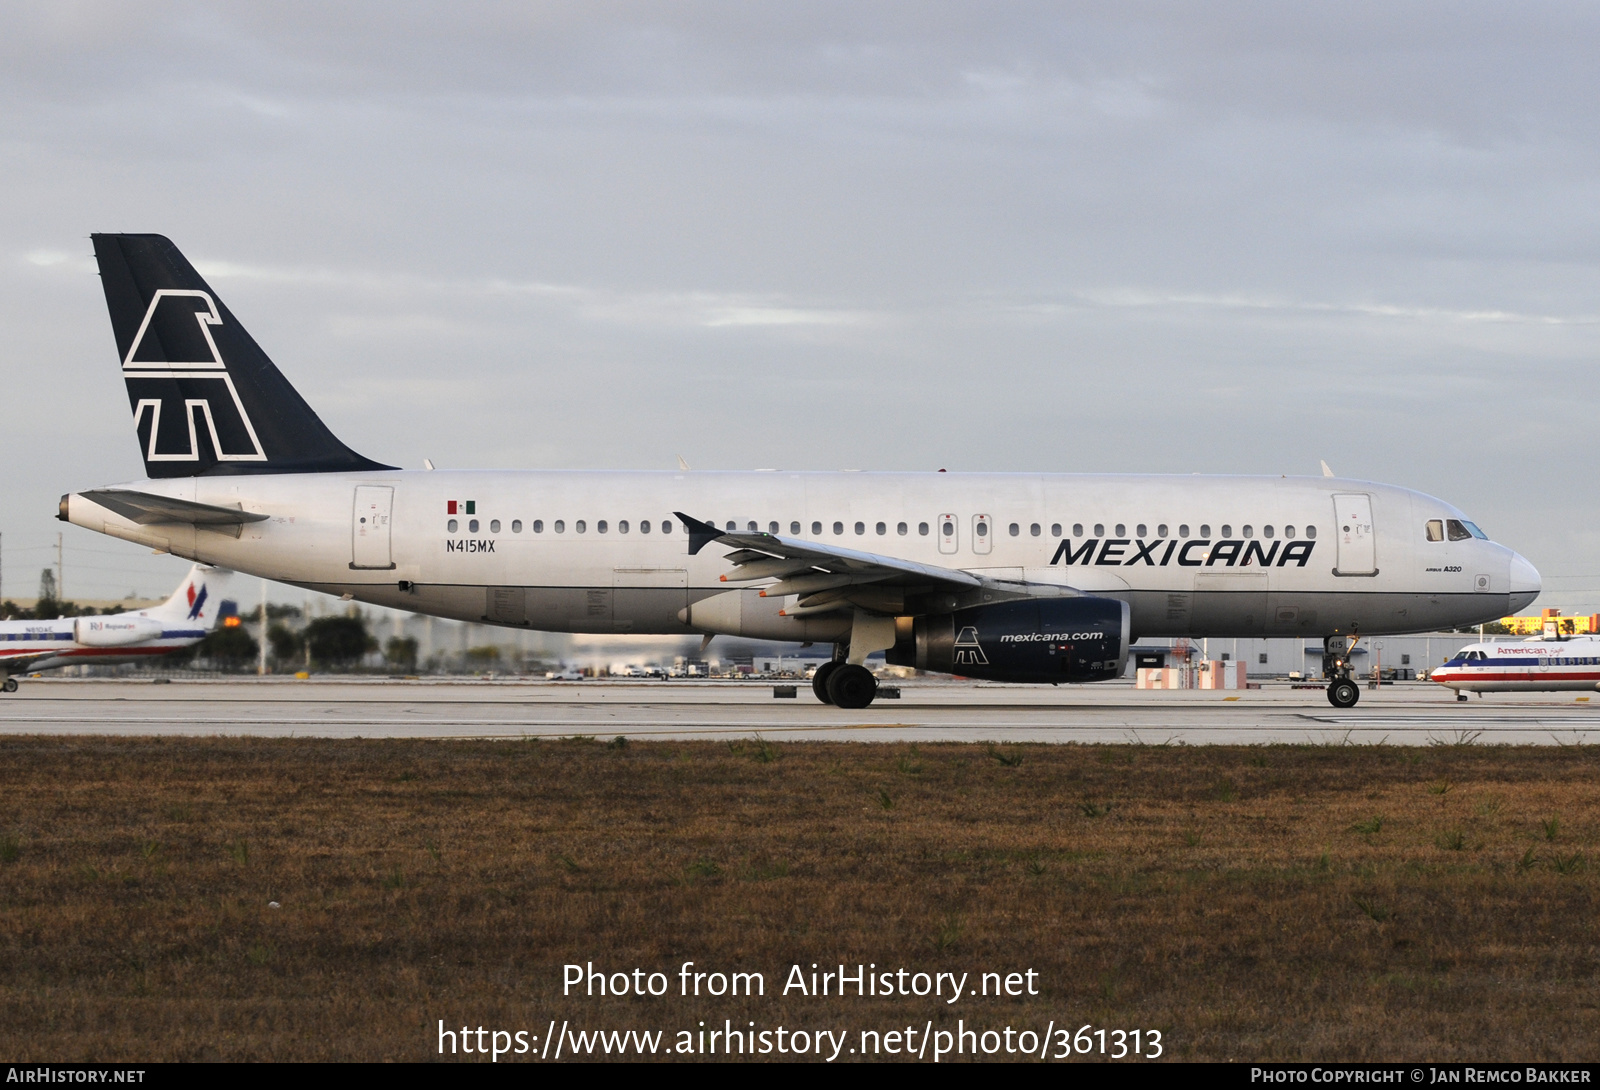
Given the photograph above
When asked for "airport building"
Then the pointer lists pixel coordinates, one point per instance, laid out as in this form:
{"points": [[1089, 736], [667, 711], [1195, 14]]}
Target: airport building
{"points": [[1565, 626]]}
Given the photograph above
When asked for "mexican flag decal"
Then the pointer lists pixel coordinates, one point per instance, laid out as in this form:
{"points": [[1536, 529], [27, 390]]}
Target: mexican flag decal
{"points": [[470, 507]]}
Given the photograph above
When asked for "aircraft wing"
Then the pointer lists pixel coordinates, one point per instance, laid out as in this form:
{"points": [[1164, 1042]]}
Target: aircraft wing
{"points": [[24, 660], [828, 577]]}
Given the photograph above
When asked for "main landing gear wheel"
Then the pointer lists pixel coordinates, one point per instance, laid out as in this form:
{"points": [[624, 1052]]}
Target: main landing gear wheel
{"points": [[1343, 693], [852, 686], [819, 681], [9, 685]]}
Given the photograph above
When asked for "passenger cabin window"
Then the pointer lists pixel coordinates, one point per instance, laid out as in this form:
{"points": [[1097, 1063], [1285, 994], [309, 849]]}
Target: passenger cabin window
{"points": [[1161, 531], [882, 529], [1311, 531], [1227, 531], [1205, 530], [1055, 529], [1033, 530], [1288, 532], [494, 526], [472, 527], [516, 526], [1122, 531], [580, 526], [1143, 530], [772, 527], [622, 526], [838, 528], [452, 526], [816, 529], [538, 526], [666, 527], [1183, 530], [1436, 529], [1266, 532], [644, 526], [794, 528], [600, 527], [922, 528], [1247, 532], [751, 526], [1015, 530], [982, 529], [1099, 530], [861, 528], [902, 529], [732, 526]]}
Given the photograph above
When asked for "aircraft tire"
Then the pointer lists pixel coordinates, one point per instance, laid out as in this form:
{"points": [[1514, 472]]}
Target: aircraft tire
{"points": [[1343, 693], [819, 681], [852, 686], [9, 685]]}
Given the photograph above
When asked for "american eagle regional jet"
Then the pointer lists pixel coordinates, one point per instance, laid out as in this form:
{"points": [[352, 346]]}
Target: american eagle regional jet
{"points": [[1023, 577], [137, 635]]}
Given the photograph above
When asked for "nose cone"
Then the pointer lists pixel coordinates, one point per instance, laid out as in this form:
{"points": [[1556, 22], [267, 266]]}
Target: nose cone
{"points": [[1524, 582]]}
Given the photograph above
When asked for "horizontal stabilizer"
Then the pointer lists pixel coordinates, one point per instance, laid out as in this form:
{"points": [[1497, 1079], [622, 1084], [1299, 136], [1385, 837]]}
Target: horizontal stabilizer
{"points": [[147, 510]]}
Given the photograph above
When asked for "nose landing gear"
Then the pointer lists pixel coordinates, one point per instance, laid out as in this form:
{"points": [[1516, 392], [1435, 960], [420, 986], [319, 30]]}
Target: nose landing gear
{"points": [[1342, 691]]}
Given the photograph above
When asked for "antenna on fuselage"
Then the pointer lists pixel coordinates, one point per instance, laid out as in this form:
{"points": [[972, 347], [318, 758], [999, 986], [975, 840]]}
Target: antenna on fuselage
{"points": [[1326, 472]]}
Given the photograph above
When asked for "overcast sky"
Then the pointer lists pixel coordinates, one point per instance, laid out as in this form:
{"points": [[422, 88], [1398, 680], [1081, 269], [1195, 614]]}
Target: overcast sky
{"points": [[1225, 237]]}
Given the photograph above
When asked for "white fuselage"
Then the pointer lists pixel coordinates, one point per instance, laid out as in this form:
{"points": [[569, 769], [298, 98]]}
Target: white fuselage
{"points": [[568, 551], [1536, 665]]}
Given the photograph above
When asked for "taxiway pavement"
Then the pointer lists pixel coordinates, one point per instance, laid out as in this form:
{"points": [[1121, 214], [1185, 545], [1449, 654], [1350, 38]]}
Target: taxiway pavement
{"points": [[927, 711]]}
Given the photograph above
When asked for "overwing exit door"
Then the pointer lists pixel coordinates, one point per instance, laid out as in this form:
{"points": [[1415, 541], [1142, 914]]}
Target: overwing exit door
{"points": [[370, 527], [982, 533], [1352, 513]]}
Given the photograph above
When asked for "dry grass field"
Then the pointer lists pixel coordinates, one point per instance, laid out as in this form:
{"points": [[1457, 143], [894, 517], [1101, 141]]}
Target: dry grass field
{"points": [[1250, 903]]}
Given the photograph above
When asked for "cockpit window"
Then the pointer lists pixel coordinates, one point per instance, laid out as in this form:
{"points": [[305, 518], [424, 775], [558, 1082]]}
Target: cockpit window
{"points": [[1472, 528], [1458, 532], [1435, 529]]}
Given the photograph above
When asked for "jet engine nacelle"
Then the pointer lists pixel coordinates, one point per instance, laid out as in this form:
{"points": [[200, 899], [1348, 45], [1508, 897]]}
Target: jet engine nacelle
{"points": [[114, 631], [1044, 639]]}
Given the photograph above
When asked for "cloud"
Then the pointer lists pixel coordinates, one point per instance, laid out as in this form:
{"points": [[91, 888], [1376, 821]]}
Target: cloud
{"points": [[1040, 236]]}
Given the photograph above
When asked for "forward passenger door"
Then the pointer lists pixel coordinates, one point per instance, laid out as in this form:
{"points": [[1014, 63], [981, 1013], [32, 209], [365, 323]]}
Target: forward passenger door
{"points": [[1352, 513]]}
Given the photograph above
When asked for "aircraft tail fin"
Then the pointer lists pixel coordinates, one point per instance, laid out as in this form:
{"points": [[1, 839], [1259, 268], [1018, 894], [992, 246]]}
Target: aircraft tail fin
{"points": [[206, 399], [201, 599]]}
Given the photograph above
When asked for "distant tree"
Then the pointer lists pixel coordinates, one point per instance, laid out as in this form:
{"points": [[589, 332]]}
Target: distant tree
{"points": [[1493, 628], [482, 657], [339, 641], [228, 648], [287, 644], [401, 653]]}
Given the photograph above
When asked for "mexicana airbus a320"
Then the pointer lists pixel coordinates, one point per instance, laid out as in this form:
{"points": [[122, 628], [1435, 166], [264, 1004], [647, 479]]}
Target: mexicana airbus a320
{"points": [[1026, 577]]}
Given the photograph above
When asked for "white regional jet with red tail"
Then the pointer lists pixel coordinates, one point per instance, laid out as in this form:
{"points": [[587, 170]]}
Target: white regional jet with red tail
{"points": [[138, 635], [1024, 577]]}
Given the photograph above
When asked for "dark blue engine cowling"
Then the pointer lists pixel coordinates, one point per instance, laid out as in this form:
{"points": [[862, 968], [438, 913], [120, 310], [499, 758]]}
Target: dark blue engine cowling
{"points": [[1042, 639]]}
